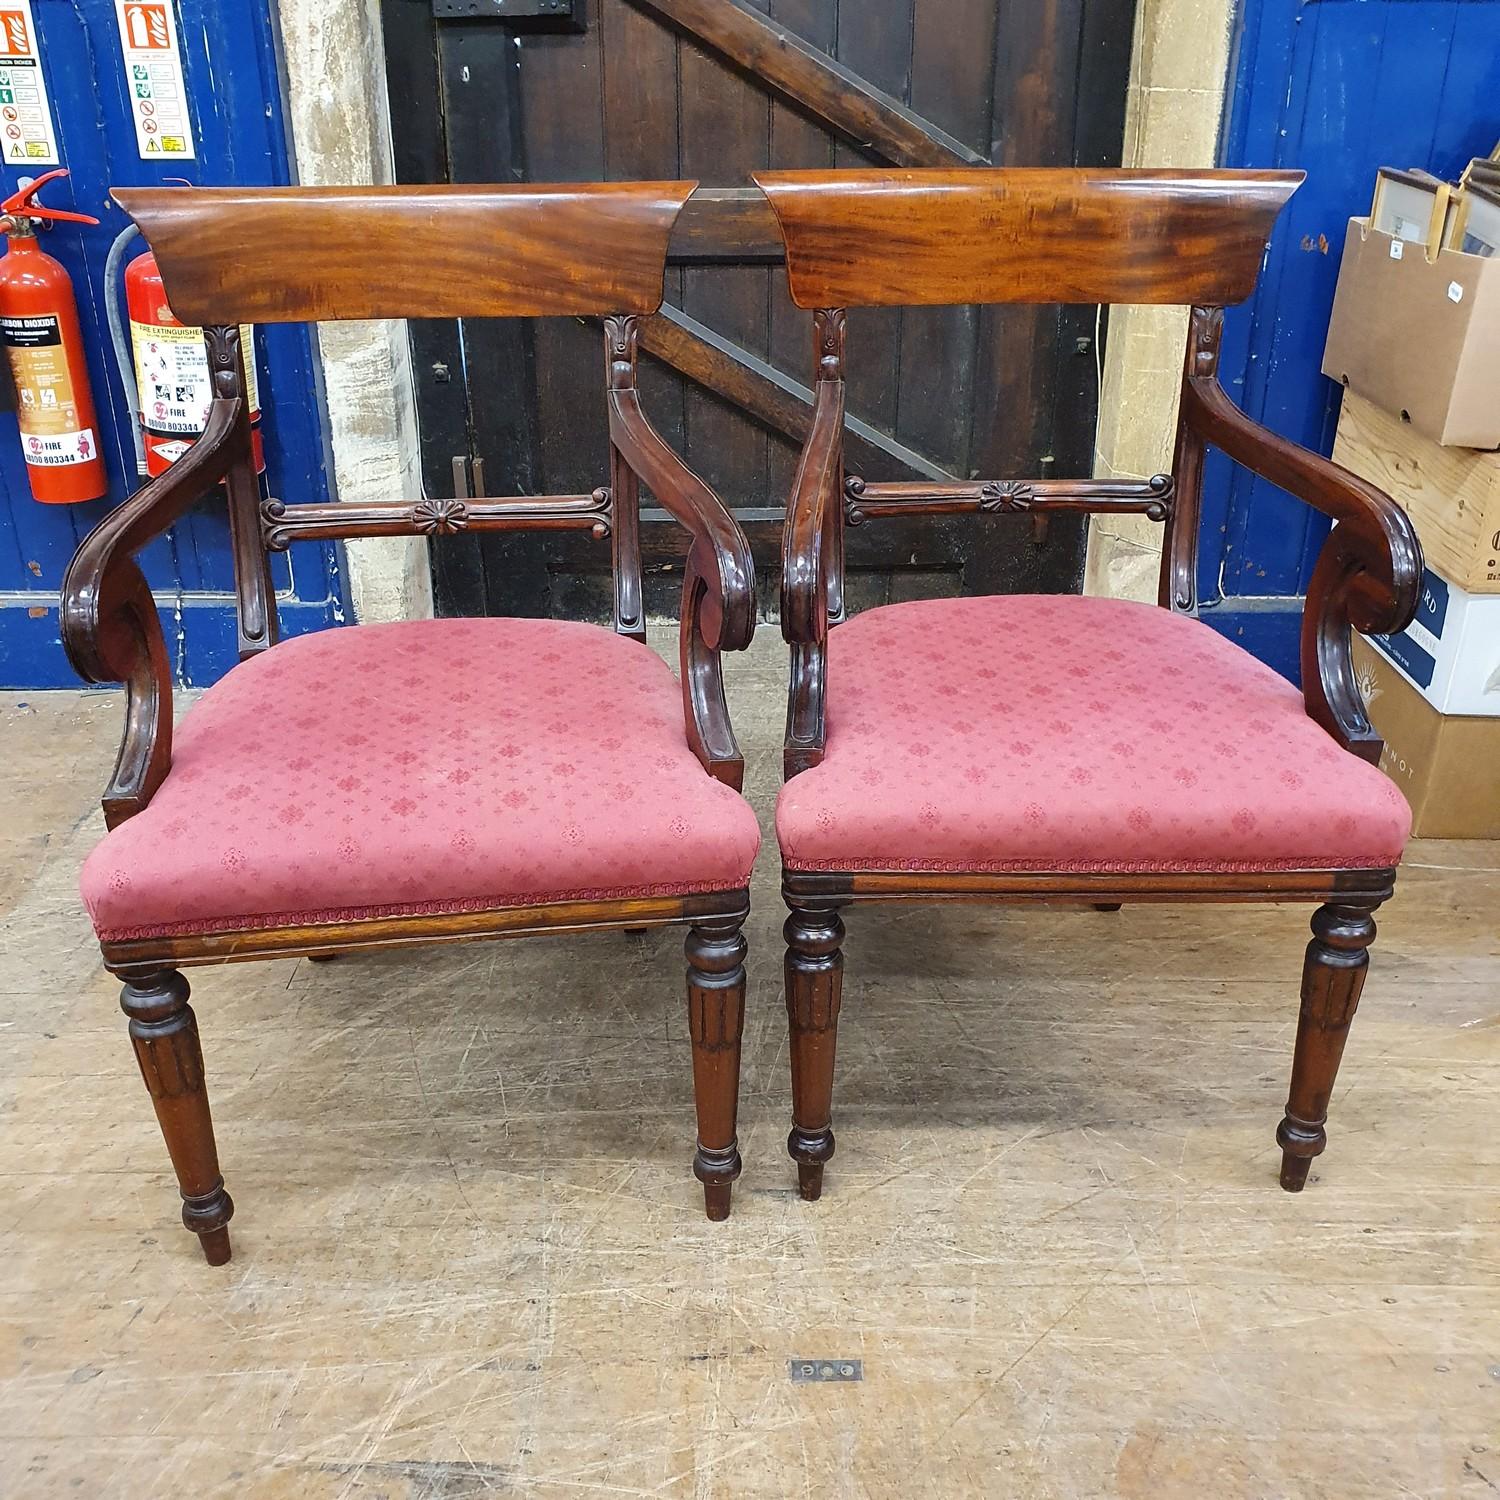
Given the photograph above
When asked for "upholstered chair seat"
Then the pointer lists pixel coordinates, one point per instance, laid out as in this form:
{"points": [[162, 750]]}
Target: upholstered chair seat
{"points": [[1042, 732], [423, 768]]}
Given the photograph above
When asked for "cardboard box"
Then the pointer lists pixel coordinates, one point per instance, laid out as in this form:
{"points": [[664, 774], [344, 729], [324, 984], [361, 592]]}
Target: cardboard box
{"points": [[1447, 767], [1451, 494], [1451, 651], [1419, 336]]}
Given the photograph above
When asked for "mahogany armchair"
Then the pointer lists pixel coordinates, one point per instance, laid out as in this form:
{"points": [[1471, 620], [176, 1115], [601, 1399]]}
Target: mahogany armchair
{"points": [[429, 781], [1067, 749]]}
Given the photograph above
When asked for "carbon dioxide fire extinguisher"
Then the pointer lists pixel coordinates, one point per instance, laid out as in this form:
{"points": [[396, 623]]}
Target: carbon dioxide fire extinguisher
{"points": [[44, 347], [171, 372]]}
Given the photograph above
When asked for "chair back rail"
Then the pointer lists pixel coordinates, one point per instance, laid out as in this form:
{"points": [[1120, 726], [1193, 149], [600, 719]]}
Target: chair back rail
{"points": [[302, 255], [1029, 234], [868, 500], [283, 524]]}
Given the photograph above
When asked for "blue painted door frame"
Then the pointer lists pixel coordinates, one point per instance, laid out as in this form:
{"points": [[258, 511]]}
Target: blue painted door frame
{"points": [[231, 65], [1338, 88]]}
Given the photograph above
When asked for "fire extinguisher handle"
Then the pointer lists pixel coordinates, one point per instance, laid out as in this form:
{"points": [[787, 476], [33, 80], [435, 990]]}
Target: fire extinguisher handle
{"points": [[23, 204]]}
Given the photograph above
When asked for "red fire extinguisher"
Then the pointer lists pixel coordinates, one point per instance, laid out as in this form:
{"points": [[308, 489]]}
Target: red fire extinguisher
{"points": [[44, 345], [171, 371]]}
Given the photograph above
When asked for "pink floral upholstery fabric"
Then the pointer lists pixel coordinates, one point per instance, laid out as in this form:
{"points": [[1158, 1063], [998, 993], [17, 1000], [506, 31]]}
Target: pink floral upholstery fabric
{"points": [[1066, 733], [424, 767]]}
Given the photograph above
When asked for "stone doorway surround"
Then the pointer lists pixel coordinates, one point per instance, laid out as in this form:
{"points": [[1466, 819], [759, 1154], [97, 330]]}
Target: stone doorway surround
{"points": [[339, 120], [1173, 113]]}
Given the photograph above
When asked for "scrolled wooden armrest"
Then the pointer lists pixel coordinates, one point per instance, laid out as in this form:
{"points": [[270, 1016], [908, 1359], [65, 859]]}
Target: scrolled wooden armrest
{"points": [[718, 588], [110, 627], [814, 506], [719, 557], [153, 508], [1374, 528], [1368, 575]]}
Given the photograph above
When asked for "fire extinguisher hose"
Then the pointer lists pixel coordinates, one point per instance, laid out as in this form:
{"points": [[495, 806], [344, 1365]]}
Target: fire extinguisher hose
{"points": [[124, 357]]}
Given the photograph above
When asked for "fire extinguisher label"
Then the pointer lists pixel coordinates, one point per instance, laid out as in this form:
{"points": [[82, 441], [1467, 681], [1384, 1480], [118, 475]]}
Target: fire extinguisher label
{"points": [[56, 450], [46, 407], [171, 372], [25, 111], [153, 67]]}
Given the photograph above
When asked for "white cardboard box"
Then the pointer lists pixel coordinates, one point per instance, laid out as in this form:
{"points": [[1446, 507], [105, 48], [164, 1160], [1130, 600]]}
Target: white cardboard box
{"points": [[1451, 652]]}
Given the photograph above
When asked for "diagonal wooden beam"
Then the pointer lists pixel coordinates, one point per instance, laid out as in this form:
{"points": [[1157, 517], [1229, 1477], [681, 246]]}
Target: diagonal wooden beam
{"points": [[764, 392], [816, 82]]}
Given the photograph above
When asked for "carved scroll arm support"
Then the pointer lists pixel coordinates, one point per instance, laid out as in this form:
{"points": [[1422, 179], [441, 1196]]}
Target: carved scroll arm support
{"points": [[1368, 575], [811, 588], [719, 551], [812, 512], [812, 550], [718, 595], [110, 627]]}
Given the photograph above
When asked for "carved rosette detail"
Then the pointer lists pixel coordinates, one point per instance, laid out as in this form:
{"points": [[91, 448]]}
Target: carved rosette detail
{"points": [[441, 517], [1003, 496]]}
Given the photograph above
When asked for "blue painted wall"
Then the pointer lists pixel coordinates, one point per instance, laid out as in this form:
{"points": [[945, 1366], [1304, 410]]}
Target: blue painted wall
{"points": [[234, 92], [1339, 88]]}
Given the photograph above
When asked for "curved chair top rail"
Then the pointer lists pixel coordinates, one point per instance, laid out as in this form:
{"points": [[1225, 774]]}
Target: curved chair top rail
{"points": [[294, 255], [1026, 234]]}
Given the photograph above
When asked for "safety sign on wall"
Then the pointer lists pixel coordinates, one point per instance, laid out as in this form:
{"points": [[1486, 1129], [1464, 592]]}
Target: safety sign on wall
{"points": [[25, 114], [153, 77]]}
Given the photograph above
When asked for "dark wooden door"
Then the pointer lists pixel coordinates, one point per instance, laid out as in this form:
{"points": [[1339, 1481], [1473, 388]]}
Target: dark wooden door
{"points": [[712, 89]]}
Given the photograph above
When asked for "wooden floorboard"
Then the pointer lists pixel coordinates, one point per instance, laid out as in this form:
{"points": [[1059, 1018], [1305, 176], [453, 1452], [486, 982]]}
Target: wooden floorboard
{"points": [[470, 1258]]}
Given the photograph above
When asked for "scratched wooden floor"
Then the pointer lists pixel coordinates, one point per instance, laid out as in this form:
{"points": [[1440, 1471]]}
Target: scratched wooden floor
{"points": [[470, 1258]]}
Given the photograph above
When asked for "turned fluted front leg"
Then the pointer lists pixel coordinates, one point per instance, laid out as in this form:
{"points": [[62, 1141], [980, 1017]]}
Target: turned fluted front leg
{"points": [[164, 1032], [716, 1015], [1333, 975], [814, 983]]}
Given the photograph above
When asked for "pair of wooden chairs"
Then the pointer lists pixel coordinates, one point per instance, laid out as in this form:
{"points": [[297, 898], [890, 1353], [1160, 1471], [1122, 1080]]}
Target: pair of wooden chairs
{"points": [[446, 780]]}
